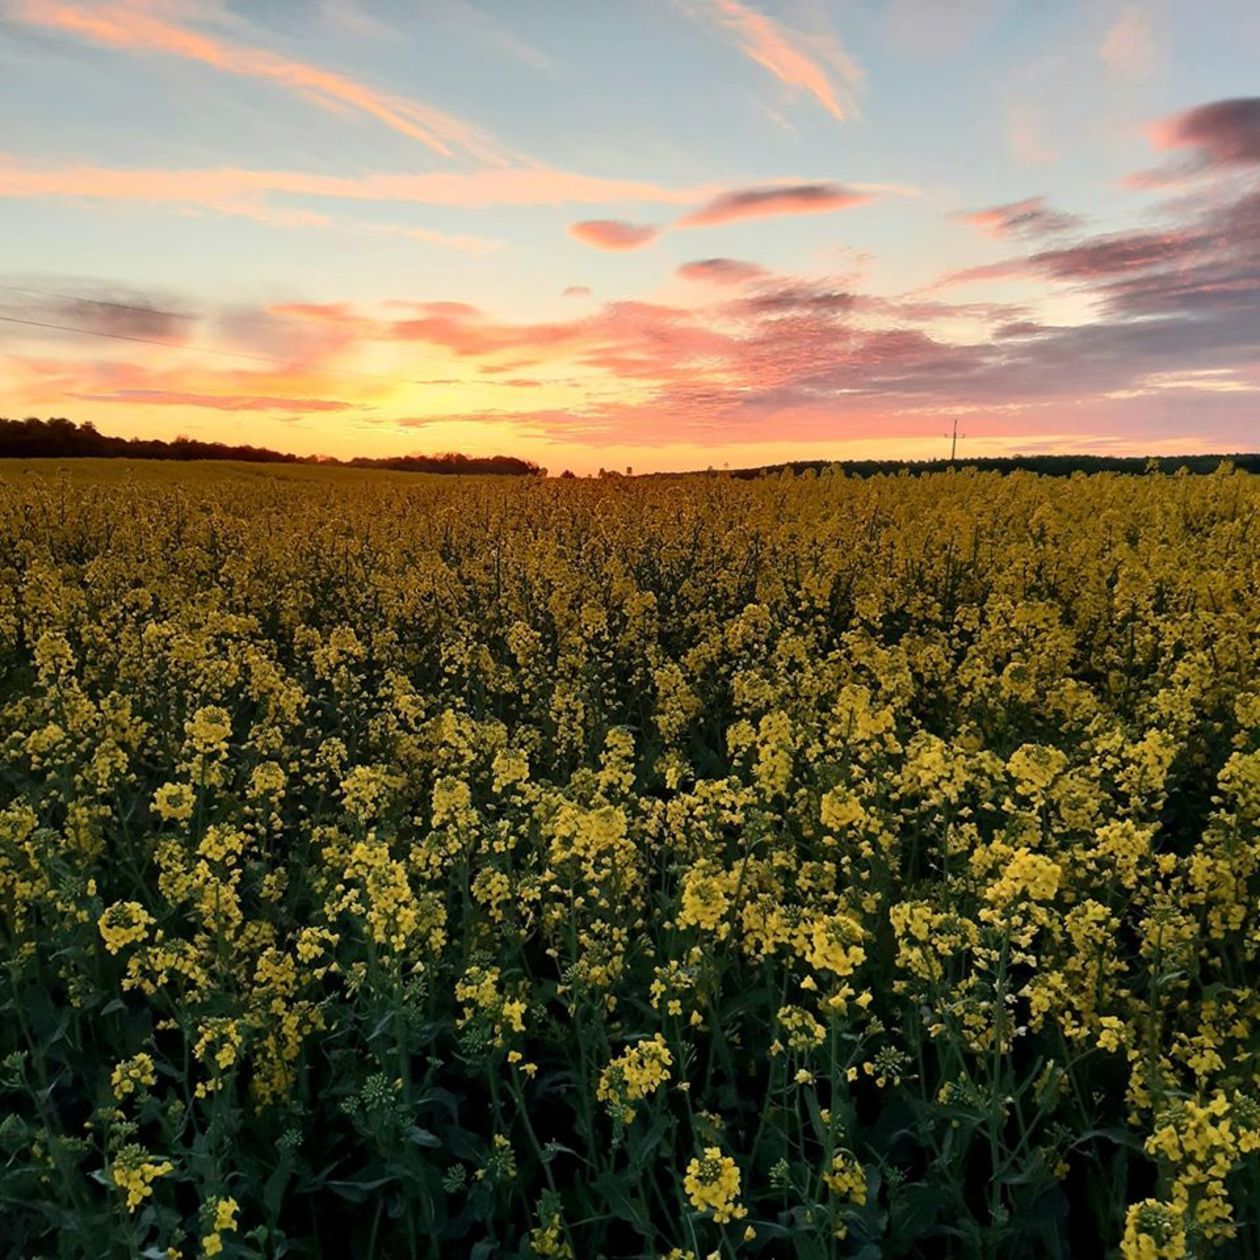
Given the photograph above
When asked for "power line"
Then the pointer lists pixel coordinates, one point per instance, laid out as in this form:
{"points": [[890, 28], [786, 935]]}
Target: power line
{"points": [[117, 306], [175, 345]]}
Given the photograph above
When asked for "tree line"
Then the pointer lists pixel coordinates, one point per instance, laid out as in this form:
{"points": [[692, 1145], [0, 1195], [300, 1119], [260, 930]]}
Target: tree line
{"points": [[1046, 465], [59, 438]]}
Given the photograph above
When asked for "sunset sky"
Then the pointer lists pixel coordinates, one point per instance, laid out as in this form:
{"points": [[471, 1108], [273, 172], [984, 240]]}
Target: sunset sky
{"points": [[659, 233]]}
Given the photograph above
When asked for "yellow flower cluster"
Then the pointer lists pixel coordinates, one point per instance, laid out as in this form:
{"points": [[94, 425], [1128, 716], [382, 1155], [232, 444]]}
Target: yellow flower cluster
{"points": [[132, 1074], [846, 1178], [222, 1217], [633, 1075], [134, 1172], [379, 847], [712, 1186], [122, 924]]}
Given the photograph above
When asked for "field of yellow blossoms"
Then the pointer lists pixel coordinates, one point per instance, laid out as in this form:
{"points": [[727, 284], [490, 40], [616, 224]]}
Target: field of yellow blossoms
{"points": [[799, 867]]}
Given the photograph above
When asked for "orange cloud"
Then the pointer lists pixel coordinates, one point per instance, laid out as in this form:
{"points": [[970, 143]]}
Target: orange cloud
{"points": [[132, 27], [613, 234], [1007, 269], [236, 189], [815, 64], [759, 203], [215, 402]]}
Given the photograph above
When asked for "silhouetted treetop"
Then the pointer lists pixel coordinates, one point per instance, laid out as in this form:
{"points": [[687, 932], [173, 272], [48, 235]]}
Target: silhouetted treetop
{"points": [[59, 438]]}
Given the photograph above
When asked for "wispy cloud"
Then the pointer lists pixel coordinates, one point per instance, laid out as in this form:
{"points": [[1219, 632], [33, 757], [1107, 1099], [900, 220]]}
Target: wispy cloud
{"points": [[229, 187], [930, 29], [138, 26], [490, 31], [731, 206], [720, 271], [1027, 133], [814, 63], [215, 402], [268, 196], [760, 203], [1129, 49], [1030, 217]]}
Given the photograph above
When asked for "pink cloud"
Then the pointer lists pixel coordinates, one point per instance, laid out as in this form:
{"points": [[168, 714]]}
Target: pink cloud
{"points": [[1223, 133], [613, 234], [720, 271], [758, 203], [1114, 254], [725, 207], [817, 64], [1219, 136], [1117, 253], [1007, 269], [1030, 217], [444, 308]]}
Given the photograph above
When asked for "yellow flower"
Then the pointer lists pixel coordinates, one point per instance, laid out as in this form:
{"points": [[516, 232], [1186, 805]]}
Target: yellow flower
{"points": [[633, 1075], [1026, 874], [133, 1072], [134, 1172], [706, 898], [1153, 1231], [846, 1179], [712, 1186], [174, 802], [225, 1211], [123, 923], [208, 730]]}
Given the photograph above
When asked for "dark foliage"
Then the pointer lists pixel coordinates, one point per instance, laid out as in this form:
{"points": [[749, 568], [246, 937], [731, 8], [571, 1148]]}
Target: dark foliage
{"points": [[1046, 465], [59, 438]]}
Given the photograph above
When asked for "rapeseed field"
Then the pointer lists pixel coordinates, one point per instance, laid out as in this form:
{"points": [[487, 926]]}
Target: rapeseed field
{"points": [[799, 867]]}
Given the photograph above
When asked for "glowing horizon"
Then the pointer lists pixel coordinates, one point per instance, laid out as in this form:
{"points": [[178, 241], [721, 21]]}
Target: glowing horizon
{"points": [[668, 235]]}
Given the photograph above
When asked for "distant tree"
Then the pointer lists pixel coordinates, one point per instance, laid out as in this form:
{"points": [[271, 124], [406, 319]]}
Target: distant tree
{"points": [[60, 438], [568, 475]]}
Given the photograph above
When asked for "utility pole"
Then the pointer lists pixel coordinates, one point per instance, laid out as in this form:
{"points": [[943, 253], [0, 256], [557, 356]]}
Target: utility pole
{"points": [[953, 441]]}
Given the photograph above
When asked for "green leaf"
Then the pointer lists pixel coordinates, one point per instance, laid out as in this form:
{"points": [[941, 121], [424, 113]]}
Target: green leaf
{"points": [[612, 1187], [273, 1190], [356, 1191]]}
